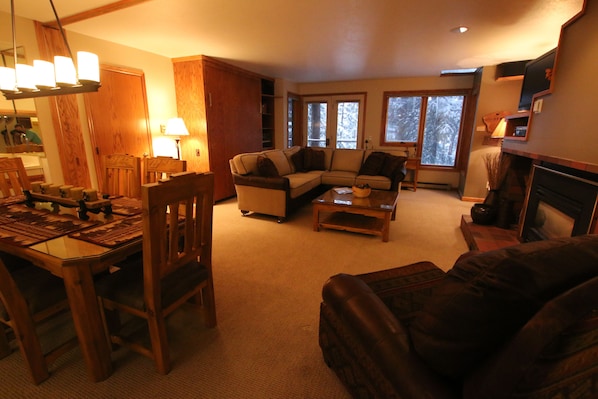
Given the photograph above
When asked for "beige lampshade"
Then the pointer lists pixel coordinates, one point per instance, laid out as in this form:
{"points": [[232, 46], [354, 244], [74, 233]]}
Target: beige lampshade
{"points": [[499, 131], [88, 67], [44, 74], [7, 79], [176, 127]]}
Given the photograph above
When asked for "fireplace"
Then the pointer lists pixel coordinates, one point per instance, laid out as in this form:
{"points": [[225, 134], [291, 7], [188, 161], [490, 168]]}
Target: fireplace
{"points": [[561, 203]]}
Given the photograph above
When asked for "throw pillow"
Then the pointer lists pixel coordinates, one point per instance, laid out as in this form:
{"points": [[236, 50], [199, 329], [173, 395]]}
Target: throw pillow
{"points": [[266, 167], [315, 159], [373, 164], [298, 160], [391, 164], [486, 298]]}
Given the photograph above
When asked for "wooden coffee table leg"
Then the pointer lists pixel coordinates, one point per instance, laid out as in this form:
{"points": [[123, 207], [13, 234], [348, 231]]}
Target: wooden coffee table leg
{"points": [[316, 218], [386, 227]]}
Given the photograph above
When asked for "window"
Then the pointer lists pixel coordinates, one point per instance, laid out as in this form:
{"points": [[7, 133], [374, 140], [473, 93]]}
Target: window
{"points": [[343, 113], [429, 121], [293, 120]]}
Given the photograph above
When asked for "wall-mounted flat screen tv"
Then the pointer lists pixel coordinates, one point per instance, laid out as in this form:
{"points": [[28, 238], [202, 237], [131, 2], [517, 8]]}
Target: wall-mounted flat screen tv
{"points": [[536, 78]]}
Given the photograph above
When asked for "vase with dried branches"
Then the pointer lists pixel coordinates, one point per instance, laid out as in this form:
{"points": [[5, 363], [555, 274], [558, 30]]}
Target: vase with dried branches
{"points": [[497, 167]]}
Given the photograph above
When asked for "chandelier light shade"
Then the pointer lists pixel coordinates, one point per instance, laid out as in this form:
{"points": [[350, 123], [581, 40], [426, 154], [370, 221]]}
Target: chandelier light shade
{"points": [[49, 79]]}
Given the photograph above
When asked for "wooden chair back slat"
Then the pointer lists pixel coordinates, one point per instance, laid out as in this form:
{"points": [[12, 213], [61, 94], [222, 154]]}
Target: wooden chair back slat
{"points": [[13, 177], [158, 168], [122, 175]]}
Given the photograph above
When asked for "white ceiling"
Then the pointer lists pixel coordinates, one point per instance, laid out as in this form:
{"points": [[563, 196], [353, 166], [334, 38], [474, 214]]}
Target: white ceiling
{"points": [[326, 40]]}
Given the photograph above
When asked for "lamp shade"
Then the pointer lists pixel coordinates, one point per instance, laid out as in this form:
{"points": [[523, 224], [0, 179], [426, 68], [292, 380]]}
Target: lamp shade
{"points": [[66, 75], [88, 67], [176, 127], [499, 131], [7, 79], [44, 74]]}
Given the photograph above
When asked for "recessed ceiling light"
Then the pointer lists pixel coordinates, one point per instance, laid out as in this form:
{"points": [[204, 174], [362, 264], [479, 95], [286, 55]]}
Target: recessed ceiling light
{"points": [[460, 29]]}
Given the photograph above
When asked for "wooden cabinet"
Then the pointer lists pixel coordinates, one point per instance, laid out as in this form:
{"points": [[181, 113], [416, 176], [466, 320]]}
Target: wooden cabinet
{"points": [[517, 125], [267, 113], [223, 109]]}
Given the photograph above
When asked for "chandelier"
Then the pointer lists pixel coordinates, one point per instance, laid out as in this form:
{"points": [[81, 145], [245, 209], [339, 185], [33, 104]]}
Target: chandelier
{"points": [[43, 78]]}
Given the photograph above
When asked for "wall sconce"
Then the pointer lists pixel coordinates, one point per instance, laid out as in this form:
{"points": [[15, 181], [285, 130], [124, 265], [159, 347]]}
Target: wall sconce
{"points": [[495, 125], [176, 127], [45, 79]]}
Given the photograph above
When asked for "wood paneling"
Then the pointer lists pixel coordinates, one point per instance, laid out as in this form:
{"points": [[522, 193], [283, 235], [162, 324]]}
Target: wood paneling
{"points": [[221, 106], [118, 115], [65, 116]]}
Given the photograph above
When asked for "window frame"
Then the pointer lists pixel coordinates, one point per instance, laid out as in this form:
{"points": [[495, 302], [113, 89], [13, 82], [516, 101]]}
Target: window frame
{"points": [[332, 101], [418, 145]]}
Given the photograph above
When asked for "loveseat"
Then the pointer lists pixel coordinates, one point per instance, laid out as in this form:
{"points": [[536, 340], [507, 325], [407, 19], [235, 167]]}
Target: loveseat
{"points": [[518, 322], [276, 182]]}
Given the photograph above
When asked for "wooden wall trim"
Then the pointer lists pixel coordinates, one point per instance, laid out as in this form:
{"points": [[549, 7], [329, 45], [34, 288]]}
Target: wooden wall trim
{"points": [[65, 116]]}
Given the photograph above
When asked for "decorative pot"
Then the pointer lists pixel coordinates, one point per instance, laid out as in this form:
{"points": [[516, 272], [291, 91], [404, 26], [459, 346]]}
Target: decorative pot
{"points": [[483, 214], [361, 192]]}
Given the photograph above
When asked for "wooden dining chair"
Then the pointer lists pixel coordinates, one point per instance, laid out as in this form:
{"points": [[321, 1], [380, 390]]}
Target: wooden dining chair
{"points": [[29, 297], [13, 178], [157, 168], [122, 175], [176, 266]]}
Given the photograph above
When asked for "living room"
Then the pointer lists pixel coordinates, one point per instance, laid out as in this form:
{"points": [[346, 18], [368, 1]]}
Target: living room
{"points": [[268, 288]]}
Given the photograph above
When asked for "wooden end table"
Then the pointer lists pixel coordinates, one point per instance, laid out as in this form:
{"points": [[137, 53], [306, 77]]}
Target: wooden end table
{"points": [[371, 215]]}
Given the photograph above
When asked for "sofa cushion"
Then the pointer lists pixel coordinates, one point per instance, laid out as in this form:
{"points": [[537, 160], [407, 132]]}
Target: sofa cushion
{"points": [[266, 167], [280, 160], [314, 159], [373, 164], [391, 164], [298, 160], [347, 160], [485, 299]]}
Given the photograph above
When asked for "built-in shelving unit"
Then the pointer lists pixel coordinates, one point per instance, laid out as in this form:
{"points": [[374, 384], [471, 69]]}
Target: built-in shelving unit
{"points": [[517, 124], [267, 113]]}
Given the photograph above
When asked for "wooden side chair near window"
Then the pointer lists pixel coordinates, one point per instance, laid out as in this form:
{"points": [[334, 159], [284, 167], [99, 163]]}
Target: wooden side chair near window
{"points": [[157, 168], [122, 175], [13, 180], [176, 266], [30, 296]]}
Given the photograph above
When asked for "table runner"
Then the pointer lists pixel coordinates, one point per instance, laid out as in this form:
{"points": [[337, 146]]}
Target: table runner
{"points": [[24, 226], [114, 233]]}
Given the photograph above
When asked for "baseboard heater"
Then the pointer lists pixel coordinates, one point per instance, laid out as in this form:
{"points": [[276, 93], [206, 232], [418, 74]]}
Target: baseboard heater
{"points": [[435, 186]]}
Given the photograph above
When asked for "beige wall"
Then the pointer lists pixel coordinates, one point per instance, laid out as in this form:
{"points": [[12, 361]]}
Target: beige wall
{"points": [[566, 127], [495, 96], [159, 81]]}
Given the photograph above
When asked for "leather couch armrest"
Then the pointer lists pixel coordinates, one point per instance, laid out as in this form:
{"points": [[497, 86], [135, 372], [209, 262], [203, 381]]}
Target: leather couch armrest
{"points": [[404, 289], [275, 183], [382, 337]]}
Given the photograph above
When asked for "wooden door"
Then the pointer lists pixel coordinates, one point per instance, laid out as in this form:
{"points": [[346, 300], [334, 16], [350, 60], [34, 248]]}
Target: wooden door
{"points": [[118, 116], [233, 121]]}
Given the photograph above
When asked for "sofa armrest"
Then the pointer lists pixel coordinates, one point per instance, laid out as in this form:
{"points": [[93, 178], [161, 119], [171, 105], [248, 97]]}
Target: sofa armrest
{"points": [[398, 177], [275, 183], [404, 289], [382, 337]]}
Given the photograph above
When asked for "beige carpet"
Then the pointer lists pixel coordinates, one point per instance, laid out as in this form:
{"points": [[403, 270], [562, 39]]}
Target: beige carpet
{"points": [[268, 278]]}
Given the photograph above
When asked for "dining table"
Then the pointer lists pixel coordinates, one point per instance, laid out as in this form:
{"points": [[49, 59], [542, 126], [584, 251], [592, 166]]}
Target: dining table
{"points": [[76, 251]]}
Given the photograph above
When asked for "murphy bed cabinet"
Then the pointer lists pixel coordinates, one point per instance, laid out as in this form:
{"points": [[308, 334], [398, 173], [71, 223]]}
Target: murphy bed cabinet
{"points": [[224, 110]]}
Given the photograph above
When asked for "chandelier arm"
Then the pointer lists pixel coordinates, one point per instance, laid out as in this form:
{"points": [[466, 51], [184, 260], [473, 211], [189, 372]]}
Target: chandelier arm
{"points": [[14, 34], [66, 43]]}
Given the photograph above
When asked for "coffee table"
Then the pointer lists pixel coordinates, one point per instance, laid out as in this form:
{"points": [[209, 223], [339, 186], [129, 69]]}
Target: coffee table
{"points": [[371, 215]]}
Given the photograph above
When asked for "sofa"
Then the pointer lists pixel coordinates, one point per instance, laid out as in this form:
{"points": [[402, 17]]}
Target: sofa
{"points": [[276, 182], [517, 322]]}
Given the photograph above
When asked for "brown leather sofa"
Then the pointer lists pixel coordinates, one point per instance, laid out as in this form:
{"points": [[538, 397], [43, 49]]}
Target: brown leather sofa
{"points": [[519, 322]]}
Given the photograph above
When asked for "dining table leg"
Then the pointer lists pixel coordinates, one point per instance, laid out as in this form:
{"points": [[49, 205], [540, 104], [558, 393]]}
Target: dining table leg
{"points": [[80, 289]]}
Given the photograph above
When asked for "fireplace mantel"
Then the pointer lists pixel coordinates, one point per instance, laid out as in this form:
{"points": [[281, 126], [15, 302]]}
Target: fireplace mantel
{"points": [[584, 166]]}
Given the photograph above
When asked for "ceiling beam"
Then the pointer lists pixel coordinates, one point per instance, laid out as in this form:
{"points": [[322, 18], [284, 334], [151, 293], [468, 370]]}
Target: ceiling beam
{"points": [[94, 12]]}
